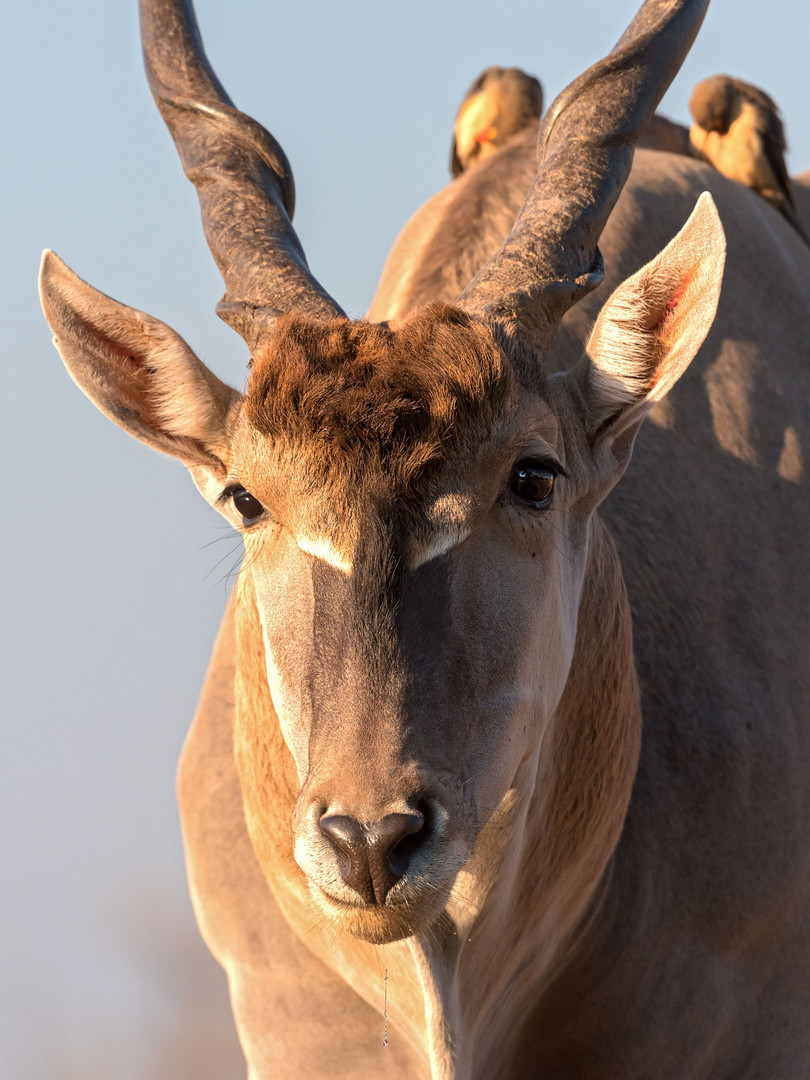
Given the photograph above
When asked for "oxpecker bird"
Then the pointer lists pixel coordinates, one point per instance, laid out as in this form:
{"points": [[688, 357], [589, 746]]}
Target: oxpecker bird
{"points": [[499, 104], [737, 128]]}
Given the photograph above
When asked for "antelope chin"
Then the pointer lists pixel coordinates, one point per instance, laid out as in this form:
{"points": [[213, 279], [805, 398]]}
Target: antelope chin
{"points": [[380, 924]]}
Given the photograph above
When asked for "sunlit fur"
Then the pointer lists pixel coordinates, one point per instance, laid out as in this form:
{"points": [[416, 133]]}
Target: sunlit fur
{"points": [[612, 878], [360, 395], [493, 682], [362, 408]]}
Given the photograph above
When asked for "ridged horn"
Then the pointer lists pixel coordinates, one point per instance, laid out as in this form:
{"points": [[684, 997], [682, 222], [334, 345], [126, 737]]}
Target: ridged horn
{"points": [[585, 149], [243, 178]]}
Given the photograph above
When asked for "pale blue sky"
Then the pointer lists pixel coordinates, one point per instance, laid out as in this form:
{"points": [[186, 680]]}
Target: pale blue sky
{"points": [[111, 596]]}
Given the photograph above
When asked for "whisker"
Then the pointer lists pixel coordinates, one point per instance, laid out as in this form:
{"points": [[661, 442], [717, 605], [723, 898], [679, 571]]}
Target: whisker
{"points": [[227, 534], [555, 546], [219, 562]]}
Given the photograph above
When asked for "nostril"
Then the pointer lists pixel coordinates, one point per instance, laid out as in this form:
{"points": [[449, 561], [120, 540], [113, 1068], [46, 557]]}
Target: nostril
{"points": [[345, 832], [400, 856], [348, 837], [373, 858], [396, 838]]}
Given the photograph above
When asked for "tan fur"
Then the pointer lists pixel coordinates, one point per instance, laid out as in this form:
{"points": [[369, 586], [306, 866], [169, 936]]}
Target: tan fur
{"points": [[613, 879], [359, 395], [644, 319], [599, 946], [490, 682], [341, 400]]}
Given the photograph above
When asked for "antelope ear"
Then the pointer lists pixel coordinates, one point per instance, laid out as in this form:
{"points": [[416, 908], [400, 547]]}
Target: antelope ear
{"points": [[653, 325], [138, 371]]}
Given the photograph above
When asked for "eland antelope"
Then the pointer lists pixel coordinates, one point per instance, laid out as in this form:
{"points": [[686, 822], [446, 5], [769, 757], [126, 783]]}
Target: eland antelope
{"points": [[435, 750]]}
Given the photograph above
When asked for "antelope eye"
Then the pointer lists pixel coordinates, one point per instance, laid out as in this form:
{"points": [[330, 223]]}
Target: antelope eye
{"points": [[248, 506], [533, 482]]}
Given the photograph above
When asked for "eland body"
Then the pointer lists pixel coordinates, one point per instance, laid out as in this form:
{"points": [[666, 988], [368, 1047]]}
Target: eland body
{"points": [[433, 740]]}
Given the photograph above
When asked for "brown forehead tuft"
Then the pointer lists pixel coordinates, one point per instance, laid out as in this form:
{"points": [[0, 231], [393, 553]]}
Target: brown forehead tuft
{"points": [[401, 396]]}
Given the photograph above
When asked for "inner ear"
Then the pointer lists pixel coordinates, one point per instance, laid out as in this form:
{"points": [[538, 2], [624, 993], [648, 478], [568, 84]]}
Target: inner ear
{"points": [[137, 370], [652, 326]]}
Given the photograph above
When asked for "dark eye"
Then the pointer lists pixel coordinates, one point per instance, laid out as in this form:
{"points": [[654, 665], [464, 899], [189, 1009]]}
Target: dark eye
{"points": [[248, 506], [533, 482]]}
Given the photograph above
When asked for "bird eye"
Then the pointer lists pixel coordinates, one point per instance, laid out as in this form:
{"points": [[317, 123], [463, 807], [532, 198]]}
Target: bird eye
{"points": [[533, 482], [248, 506]]}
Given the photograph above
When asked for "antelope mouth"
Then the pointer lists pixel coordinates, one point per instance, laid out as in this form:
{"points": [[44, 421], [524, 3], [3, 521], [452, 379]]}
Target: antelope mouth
{"points": [[395, 919], [380, 876]]}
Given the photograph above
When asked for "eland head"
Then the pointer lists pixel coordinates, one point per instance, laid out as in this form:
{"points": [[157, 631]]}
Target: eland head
{"points": [[417, 500]]}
